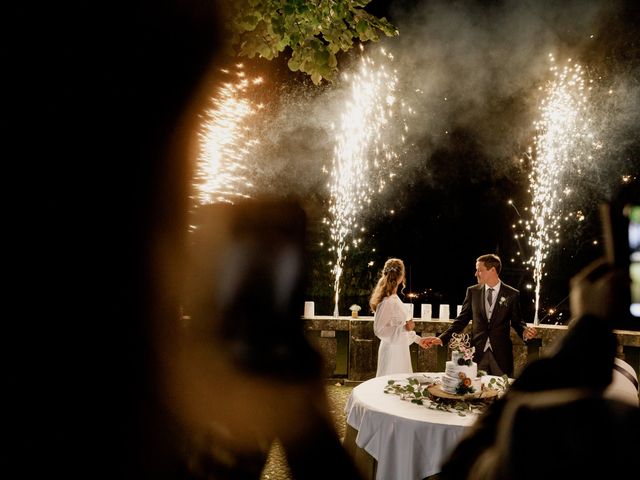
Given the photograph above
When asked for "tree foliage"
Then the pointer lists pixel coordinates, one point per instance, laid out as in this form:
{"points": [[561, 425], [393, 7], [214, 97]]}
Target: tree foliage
{"points": [[314, 30]]}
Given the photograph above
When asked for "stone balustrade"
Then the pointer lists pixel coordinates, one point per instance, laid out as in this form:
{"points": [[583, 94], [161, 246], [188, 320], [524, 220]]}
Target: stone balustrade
{"points": [[325, 333]]}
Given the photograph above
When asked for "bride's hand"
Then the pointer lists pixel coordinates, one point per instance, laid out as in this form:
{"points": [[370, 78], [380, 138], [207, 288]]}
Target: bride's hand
{"points": [[427, 342]]}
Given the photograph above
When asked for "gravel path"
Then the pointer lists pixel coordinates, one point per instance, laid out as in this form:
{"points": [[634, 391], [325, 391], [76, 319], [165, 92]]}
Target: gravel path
{"points": [[276, 467]]}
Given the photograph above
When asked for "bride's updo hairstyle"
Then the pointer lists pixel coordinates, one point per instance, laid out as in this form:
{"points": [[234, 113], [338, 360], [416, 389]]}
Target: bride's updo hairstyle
{"points": [[392, 272]]}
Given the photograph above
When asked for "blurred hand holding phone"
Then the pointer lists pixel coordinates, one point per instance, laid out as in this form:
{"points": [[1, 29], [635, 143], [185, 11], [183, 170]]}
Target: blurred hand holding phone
{"points": [[621, 224], [634, 258]]}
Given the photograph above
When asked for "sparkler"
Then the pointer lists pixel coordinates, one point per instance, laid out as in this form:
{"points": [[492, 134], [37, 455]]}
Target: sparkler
{"points": [[361, 159], [222, 173], [562, 143]]}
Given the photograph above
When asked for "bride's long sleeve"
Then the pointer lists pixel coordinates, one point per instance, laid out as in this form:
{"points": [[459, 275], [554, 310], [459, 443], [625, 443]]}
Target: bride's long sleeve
{"points": [[389, 322]]}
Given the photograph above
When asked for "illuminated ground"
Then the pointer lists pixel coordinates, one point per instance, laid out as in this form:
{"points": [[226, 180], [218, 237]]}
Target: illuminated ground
{"points": [[276, 467]]}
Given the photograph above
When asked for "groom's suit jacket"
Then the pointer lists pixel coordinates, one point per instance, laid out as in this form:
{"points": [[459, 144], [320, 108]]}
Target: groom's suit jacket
{"points": [[506, 314]]}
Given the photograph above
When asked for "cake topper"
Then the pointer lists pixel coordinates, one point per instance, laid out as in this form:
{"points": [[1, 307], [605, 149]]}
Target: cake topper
{"points": [[460, 343]]}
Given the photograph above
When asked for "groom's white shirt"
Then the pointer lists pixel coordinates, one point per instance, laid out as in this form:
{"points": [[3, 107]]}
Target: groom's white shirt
{"points": [[489, 308]]}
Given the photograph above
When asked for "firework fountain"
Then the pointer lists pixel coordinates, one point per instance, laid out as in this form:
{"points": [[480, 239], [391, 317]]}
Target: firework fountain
{"points": [[222, 174], [562, 144], [362, 162]]}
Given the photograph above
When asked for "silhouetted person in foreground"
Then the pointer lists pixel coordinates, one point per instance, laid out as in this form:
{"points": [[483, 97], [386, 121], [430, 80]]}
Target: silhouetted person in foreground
{"points": [[242, 372], [100, 115], [555, 420]]}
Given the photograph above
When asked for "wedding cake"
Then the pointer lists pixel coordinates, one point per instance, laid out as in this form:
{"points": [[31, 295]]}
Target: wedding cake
{"points": [[461, 372]]}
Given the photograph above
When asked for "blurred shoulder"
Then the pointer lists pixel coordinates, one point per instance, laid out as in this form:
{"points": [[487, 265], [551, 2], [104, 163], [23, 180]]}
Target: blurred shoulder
{"points": [[391, 299]]}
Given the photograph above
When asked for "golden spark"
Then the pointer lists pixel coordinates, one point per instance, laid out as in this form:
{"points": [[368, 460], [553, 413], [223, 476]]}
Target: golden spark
{"points": [[563, 140], [222, 172], [363, 161]]}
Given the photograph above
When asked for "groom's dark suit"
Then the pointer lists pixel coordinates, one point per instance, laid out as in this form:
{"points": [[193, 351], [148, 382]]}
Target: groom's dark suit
{"points": [[506, 314]]}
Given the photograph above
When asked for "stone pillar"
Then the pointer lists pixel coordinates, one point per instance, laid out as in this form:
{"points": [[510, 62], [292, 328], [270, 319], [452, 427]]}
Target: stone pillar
{"points": [[321, 332], [363, 350]]}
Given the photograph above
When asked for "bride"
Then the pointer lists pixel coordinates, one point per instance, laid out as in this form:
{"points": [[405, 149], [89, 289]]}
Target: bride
{"points": [[392, 324]]}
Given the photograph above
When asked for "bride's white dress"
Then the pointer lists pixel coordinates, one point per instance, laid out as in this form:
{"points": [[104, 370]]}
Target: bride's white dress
{"points": [[388, 325]]}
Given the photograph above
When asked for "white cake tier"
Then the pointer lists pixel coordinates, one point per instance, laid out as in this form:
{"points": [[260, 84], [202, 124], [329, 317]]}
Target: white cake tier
{"points": [[476, 383], [451, 378], [450, 385], [455, 356], [453, 370]]}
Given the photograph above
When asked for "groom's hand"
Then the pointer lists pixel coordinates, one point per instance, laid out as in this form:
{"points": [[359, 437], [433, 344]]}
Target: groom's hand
{"points": [[427, 342], [529, 333]]}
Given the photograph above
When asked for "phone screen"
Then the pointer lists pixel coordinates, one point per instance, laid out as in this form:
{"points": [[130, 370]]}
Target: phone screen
{"points": [[633, 213]]}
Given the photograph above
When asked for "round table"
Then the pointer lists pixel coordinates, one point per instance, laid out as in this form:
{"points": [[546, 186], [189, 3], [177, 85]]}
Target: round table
{"points": [[408, 441]]}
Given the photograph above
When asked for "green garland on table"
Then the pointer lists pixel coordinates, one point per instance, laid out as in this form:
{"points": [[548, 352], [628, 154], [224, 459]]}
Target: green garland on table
{"points": [[417, 393], [501, 384]]}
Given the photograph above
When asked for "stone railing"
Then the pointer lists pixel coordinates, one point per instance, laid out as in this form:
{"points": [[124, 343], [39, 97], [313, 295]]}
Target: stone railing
{"points": [[362, 345]]}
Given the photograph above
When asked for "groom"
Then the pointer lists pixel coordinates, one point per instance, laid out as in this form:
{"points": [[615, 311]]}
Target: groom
{"points": [[494, 307]]}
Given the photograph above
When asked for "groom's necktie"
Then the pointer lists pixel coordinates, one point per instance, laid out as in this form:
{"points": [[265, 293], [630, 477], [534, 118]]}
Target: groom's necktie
{"points": [[490, 296]]}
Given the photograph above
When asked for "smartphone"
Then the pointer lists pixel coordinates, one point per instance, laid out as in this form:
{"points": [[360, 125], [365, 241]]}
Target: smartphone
{"points": [[245, 285], [632, 212], [621, 222]]}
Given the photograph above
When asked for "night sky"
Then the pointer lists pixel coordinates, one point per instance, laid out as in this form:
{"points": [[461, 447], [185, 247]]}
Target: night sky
{"points": [[462, 161]]}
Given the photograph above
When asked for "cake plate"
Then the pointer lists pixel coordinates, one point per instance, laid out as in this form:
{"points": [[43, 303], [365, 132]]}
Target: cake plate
{"points": [[436, 391]]}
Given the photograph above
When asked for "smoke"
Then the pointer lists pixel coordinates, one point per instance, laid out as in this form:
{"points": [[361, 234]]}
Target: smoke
{"points": [[474, 74], [477, 66], [296, 141], [471, 71]]}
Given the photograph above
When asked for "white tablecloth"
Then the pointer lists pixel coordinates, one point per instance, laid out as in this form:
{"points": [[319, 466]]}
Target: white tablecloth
{"points": [[408, 441]]}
